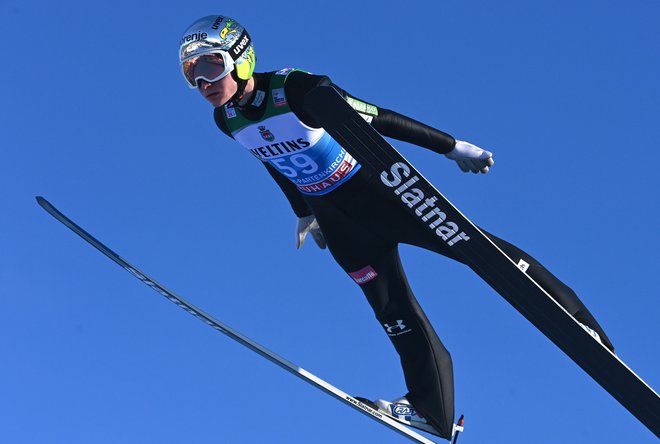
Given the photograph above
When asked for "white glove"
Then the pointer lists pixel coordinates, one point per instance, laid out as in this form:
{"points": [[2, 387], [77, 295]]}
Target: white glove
{"points": [[306, 225], [470, 157]]}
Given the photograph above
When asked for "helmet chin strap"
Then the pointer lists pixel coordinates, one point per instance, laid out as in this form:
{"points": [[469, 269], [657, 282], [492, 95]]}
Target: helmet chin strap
{"points": [[240, 91]]}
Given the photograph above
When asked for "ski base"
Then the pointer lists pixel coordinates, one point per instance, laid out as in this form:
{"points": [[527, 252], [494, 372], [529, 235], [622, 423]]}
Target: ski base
{"points": [[304, 375]]}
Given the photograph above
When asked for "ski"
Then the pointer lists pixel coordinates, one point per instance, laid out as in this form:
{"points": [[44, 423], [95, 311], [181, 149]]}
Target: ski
{"points": [[301, 373], [506, 277]]}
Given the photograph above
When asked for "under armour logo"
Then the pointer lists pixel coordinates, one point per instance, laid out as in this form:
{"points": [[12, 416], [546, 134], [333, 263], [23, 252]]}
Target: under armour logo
{"points": [[399, 324]]}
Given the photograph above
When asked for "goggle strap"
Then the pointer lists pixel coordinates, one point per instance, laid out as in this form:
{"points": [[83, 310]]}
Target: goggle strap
{"points": [[240, 45]]}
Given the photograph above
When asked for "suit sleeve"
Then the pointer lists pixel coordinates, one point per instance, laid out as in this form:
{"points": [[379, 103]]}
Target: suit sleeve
{"points": [[387, 122], [397, 126]]}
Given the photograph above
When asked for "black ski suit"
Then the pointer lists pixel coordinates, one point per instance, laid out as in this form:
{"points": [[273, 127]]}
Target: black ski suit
{"points": [[363, 226]]}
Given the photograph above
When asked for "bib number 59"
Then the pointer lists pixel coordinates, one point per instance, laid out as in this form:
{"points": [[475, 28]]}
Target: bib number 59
{"points": [[301, 163]]}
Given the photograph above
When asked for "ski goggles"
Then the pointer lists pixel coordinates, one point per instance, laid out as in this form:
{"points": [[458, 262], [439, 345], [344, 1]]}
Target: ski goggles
{"points": [[209, 67]]}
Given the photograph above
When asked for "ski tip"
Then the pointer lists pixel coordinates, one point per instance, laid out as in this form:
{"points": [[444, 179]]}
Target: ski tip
{"points": [[41, 201], [45, 204]]}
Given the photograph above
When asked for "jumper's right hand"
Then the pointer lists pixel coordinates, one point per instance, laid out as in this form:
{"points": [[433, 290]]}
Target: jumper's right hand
{"points": [[471, 158], [308, 224]]}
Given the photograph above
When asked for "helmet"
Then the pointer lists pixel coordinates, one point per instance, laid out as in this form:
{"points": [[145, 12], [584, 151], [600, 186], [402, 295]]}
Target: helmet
{"points": [[216, 34]]}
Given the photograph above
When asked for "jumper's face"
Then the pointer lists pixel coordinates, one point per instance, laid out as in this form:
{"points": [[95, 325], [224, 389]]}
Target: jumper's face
{"points": [[210, 73], [219, 92]]}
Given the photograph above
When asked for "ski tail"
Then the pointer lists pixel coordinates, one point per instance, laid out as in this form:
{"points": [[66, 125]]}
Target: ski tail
{"points": [[458, 428]]}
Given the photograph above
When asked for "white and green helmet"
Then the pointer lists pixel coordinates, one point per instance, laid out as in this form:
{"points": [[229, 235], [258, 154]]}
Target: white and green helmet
{"points": [[216, 34]]}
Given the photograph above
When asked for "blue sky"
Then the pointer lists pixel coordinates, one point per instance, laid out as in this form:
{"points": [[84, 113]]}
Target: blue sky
{"points": [[97, 118]]}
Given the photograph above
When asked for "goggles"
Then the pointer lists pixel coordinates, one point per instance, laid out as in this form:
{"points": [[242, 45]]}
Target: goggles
{"points": [[209, 67]]}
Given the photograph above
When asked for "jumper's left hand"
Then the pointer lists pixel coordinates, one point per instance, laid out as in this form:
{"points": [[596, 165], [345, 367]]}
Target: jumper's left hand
{"points": [[308, 224], [471, 158]]}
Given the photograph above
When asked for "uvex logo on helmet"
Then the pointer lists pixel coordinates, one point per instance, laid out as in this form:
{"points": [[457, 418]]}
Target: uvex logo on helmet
{"points": [[242, 43], [216, 23]]}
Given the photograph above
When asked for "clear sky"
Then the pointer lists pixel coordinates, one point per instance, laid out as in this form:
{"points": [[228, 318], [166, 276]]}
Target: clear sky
{"points": [[95, 116]]}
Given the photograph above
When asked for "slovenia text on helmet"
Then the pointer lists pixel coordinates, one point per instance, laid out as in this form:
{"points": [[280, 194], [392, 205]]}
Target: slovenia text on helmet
{"points": [[216, 34]]}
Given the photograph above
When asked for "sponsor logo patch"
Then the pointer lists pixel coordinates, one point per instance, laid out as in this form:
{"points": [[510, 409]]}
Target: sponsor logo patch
{"points": [[424, 207], [364, 275], [362, 107], [280, 148], [259, 98], [523, 265], [230, 111], [397, 329], [266, 134], [284, 71], [216, 23], [279, 99], [195, 36], [403, 410], [344, 169]]}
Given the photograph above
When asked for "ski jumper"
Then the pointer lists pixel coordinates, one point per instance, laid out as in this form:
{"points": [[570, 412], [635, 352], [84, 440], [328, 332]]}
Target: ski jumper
{"points": [[363, 224]]}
